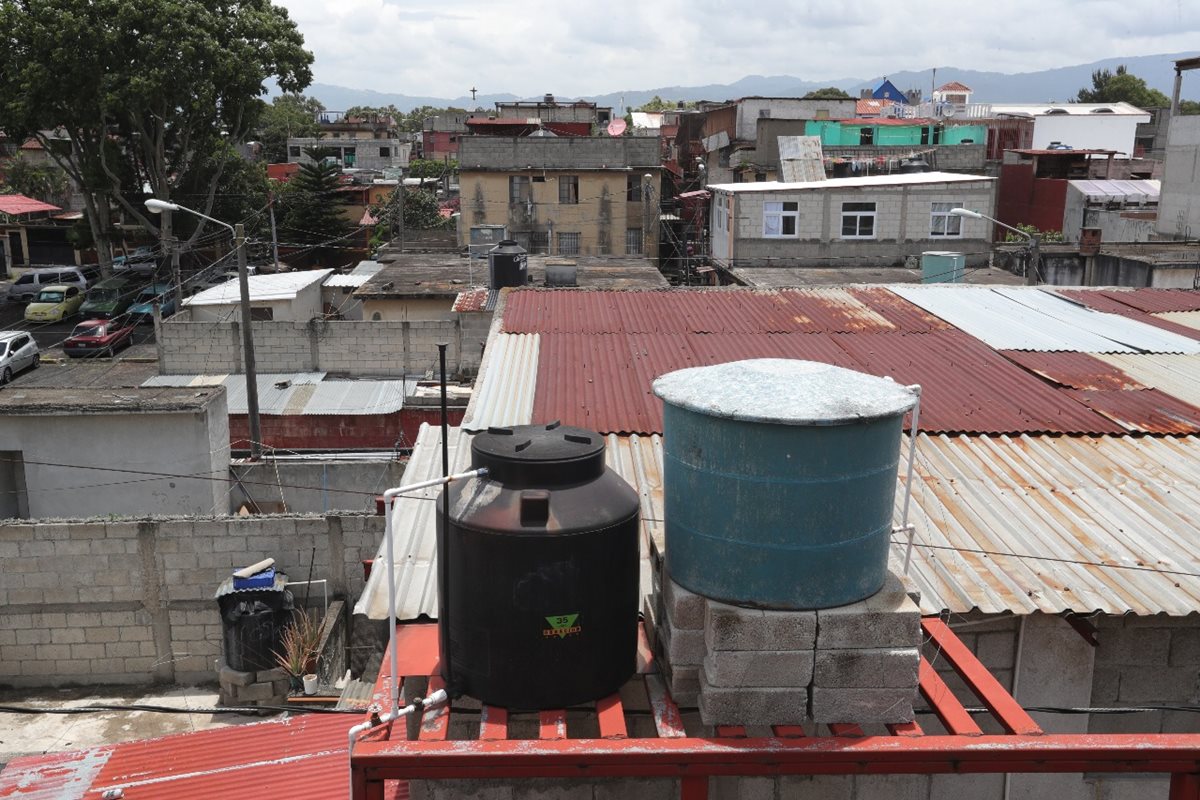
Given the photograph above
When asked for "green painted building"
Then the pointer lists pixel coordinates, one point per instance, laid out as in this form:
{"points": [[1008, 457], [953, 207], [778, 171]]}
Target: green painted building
{"points": [[885, 131]]}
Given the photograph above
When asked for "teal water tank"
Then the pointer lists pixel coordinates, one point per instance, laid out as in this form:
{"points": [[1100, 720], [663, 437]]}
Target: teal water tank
{"points": [[779, 481], [942, 266]]}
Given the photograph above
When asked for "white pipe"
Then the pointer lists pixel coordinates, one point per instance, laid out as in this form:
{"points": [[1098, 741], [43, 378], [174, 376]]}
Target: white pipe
{"points": [[389, 498], [913, 433], [434, 700], [255, 568]]}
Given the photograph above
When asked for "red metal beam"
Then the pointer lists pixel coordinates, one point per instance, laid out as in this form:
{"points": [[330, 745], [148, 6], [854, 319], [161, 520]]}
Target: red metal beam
{"points": [[731, 731], [1185, 787], [945, 705], [435, 722], [845, 729], [610, 715], [689, 757], [667, 721], [905, 729], [552, 724], [493, 723], [693, 789], [789, 731], [1007, 711]]}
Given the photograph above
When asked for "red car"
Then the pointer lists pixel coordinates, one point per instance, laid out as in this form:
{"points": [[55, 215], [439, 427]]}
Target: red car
{"points": [[97, 337]]}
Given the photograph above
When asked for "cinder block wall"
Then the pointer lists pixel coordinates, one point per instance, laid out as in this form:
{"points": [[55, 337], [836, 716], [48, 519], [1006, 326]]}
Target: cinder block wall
{"points": [[353, 347], [132, 602]]}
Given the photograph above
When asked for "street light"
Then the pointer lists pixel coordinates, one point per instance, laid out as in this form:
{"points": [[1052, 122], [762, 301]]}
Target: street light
{"points": [[157, 206], [1035, 259]]}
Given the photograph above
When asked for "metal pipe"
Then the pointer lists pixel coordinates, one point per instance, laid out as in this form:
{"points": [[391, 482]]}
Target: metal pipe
{"points": [[433, 701], [913, 432], [444, 556], [389, 498]]}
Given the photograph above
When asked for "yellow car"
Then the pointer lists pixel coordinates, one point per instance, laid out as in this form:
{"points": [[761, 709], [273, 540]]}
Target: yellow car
{"points": [[54, 303]]}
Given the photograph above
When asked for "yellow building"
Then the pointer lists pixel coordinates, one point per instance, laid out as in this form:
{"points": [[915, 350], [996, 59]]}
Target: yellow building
{"points": [[569, 195]]}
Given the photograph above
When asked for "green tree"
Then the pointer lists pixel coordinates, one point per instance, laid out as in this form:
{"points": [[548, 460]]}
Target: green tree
{"points": [[656, 103], [1122, 87], [45, 182], [828, 93], [431, 168], [146, 92], [311, 209], [288, 116]]}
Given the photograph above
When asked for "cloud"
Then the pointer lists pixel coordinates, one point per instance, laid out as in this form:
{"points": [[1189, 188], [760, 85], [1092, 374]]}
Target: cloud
{"points": [[528, 47]]}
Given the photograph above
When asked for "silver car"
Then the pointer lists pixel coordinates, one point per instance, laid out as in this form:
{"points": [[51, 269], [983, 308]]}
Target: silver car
{"points": [[18, 351]]}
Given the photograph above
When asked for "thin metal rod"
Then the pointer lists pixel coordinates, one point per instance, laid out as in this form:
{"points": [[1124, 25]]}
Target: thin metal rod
{"points": [[444, 555], [913, 432]]}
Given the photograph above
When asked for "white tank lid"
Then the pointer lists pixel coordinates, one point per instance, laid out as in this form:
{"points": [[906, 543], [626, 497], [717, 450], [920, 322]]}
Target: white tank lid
{"points": [[785, 391]]}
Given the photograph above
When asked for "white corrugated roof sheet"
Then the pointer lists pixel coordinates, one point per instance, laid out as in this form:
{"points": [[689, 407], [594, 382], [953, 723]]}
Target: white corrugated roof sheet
{"points": [[898, 179], [302, 393], [1019, 318], [366, 267], [275, 286], [1138, 192], [1177, 375], [349, 280], [505, 388]]}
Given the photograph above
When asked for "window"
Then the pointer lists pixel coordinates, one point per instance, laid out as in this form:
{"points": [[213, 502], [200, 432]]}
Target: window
{"points": [[781, 219], [293, 151], [942, 223], [858, 220], [385, 152], [633, 241], [866, 136], [262, 314], [568, 189], [633, 188], [719, 218], [519, 189], [539, 243], [568, 244]]}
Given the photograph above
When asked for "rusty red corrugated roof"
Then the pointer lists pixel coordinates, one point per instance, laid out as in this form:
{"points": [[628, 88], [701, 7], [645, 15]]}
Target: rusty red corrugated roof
{"points": [[1145, 411], [600, 351], [303, 757], [953, 86], [20, 204], [1073, 370], [1135, 304]]}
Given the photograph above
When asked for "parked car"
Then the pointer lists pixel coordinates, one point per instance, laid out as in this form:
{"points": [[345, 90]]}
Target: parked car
{"points": [[54, 303], [142, 309], [18, 351], [140, 259], [199, 284], [109, 297], [97, 337], [28, 284]]}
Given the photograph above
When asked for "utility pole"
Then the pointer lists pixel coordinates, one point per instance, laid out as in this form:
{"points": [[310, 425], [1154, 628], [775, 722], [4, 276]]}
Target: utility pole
{"points": [[239, 237], [171, 242], [274, 238], [1033, 274]]}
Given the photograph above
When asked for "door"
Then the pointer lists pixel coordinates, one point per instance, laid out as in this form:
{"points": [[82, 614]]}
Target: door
{"points": [[24, 352]]}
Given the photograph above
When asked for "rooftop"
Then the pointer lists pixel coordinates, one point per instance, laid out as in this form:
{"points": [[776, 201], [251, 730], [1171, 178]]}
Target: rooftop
{"points": [[16, 204], [911, 179], [1072, 109], [793, 277], [263, 288], [416, 275], [18, 400], [303, 393]]}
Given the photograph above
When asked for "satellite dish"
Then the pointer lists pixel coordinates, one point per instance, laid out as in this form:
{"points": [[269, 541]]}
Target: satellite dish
{"points": [[616, 127], [948, 112]]}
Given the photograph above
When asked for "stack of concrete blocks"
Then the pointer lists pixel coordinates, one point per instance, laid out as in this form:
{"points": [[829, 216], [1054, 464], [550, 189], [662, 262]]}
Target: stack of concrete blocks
{"points": [[268, 687], [746, 666]]}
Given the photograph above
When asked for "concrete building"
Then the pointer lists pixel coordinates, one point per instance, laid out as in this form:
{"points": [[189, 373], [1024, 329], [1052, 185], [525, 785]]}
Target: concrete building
{"points": [[124, 452], [1179, 209], [1033, 184], [1123, 211], [1080, 126], [376, 154], [953, 92], [440, 135], [548, 110], [874, 221], [282, 296], [569, 196]]}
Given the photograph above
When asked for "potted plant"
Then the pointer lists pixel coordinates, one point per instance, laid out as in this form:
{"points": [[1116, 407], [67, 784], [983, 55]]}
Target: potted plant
{"points": [[299, 647]]}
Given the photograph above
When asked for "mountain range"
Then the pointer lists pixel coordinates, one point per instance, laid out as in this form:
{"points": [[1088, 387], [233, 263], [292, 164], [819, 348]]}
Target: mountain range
{"points": [[1060, 85]]}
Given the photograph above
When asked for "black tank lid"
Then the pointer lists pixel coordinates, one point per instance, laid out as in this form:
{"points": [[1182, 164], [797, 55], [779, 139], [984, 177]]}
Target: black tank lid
{"points": [[543, 455]]}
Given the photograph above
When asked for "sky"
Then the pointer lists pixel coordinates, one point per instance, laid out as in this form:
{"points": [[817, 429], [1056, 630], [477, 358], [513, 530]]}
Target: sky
{"points": [[569, 48]]}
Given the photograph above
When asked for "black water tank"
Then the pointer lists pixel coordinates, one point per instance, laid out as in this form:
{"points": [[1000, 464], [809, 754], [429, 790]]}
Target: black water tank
{"points": [[252, 626], [540, 599], [508, 265]]}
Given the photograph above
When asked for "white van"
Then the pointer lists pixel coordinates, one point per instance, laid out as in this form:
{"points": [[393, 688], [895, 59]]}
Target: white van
{"points": [[27, 286]]}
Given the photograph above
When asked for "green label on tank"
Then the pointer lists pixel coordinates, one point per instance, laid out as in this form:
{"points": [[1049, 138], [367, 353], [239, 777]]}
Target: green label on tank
{"points": [[562, 626]]}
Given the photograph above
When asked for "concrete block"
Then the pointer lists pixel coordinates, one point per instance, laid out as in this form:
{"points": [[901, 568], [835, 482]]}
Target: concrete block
{"points": [[874, 668], [741, 788], [889, 618], [759, 668], [233, 677], [996, 650], [1161, 685], [816, 787], [862, 705], [728, 627], [255, 692], [681, 646], [1134, 646], [276, 674], [988, 786], [894, 787], [685, 609], [722, 706], [1185, 647], [635, 789]]}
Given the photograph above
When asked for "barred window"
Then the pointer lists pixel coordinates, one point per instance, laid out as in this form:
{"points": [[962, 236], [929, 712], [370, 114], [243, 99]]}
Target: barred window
{"points": [[633, 241], [568, 244]]}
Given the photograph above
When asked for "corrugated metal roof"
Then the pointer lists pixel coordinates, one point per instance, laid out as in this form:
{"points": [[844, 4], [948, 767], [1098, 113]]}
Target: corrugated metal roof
{"points": [[505, 389], [347, 280], [1075, 370], [482, 299], [1177, 375], [1126, 506], [300, 757], [1188, 319], [1122, 302], [275, 286], [1138, 191], [1010, 318], [285, 394], [20, 204], [637, 459]]}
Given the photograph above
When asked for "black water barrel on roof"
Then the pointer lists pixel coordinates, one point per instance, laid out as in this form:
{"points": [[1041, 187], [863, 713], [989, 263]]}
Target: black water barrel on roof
{"points": [[541, 556], [508, 265]]}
